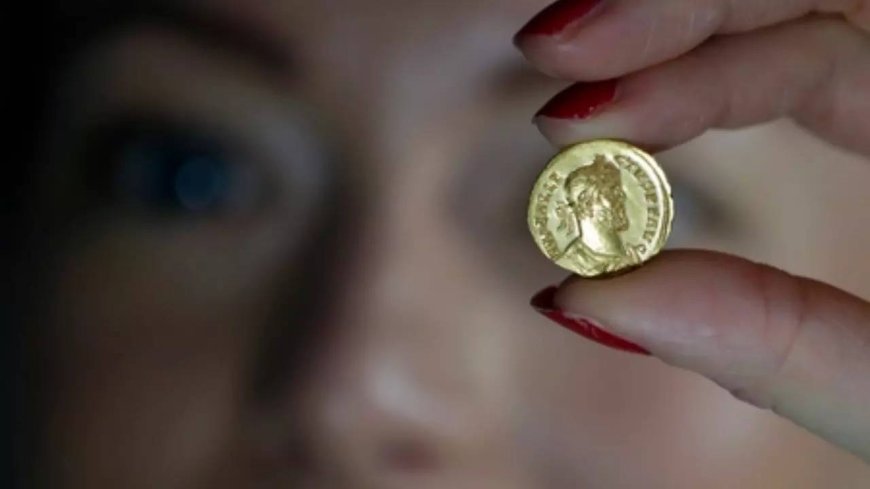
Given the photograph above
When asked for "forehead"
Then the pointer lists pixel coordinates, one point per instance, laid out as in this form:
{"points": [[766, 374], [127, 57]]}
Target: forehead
{"points": [[408, 13], [374, 20], [417, 45], [346, 29], [399, 65]]}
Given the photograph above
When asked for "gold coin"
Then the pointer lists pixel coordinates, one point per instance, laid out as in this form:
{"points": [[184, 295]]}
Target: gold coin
{"points": [[600, 208]]}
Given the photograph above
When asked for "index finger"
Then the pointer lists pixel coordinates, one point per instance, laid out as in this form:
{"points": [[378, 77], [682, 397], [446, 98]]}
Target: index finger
{"points": [[599, 39]]}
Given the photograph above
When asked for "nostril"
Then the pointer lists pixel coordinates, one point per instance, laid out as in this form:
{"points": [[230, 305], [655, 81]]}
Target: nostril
{"points": [[409, 456]]}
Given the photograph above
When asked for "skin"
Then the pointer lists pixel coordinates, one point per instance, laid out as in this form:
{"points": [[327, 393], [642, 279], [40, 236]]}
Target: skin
{"points": [[420, 364]]}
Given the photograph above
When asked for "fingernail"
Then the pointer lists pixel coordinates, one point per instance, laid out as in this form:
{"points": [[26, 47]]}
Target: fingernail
{"points": [[543, 302], [556, 18], [580, 101]]}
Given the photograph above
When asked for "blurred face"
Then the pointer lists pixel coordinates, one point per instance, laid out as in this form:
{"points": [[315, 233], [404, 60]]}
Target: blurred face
{"points": [[289, 250]]}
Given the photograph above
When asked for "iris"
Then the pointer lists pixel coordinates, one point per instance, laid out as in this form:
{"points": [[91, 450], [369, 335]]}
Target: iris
{"points": [[174, 172]]}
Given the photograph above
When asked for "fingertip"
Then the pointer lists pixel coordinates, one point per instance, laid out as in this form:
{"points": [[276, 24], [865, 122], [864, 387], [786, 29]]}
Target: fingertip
{"points": [[552, 33], [684, 305], [542, 53], [562, 133], [624, 109], [567, 61]]}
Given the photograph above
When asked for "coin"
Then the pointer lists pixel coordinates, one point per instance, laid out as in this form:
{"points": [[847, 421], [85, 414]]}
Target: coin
{"points": [[600, 208]]}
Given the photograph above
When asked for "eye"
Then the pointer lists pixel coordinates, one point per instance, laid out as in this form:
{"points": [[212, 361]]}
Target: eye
{"points": [[171, 171]]}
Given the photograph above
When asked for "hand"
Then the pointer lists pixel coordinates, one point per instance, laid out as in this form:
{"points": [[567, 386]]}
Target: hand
{"points": [[658, 73]]}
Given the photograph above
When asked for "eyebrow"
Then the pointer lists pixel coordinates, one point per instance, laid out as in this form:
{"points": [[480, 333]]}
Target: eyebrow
{"points": [[212, 30]]}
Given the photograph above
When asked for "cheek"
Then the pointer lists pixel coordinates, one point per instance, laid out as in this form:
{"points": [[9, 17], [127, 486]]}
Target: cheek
{"points": [[151, 345]]}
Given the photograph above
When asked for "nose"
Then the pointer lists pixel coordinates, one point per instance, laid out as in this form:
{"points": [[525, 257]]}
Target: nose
{"points": [[412, 390]]}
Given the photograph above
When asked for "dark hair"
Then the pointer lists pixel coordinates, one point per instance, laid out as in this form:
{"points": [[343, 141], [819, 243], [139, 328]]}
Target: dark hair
{"points": [[591, 180]]}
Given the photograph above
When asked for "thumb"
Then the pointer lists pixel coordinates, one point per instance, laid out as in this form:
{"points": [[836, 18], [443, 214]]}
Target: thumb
{"points": [[792, 345]]}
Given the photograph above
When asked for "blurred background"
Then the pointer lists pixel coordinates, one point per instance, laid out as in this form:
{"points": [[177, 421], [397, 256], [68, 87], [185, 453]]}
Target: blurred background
{"points": [[283, 244]]}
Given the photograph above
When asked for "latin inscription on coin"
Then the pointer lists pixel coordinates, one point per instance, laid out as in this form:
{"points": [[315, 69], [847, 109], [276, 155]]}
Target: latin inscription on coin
{"points": [[601, 207]]}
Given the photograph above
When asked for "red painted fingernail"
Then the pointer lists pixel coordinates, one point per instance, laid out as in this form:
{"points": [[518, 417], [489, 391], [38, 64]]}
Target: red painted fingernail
{"points": [[543, 303], [556, 18], [580, 101]]}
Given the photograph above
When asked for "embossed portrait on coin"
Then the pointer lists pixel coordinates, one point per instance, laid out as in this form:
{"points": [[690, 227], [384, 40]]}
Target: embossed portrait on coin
{"points": [[595, 216]]}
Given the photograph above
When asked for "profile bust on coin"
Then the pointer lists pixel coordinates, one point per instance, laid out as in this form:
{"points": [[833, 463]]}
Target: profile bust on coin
{"points": [[595, 215], [601, 207]]}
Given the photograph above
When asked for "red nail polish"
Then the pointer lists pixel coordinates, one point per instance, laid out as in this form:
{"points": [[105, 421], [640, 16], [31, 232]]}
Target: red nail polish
{"points": [[543, 303], [556, 18], [580, 101]]}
